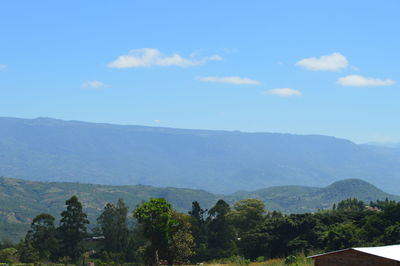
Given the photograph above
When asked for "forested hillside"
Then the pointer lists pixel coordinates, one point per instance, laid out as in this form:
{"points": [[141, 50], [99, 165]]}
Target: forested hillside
{"points": [[21, 200]]}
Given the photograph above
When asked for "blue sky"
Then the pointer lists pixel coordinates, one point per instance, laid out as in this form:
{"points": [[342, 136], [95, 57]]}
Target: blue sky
{"points": [[304, 67]]}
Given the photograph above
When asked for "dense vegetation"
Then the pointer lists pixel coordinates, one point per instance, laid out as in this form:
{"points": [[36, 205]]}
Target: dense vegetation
{"points": [[243, 232], [218, 161], [21, 200]]}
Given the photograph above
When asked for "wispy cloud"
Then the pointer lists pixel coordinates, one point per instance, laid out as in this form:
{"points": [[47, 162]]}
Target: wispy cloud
{"points": [[93, 84], [283, 92], [230, 80], [2, 67], [149, 57], [360, 81], [332, 62]]}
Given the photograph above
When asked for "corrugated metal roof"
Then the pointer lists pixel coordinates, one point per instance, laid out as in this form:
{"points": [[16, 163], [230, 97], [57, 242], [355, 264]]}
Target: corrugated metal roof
{"points": [[329, 253], [390, 252]]}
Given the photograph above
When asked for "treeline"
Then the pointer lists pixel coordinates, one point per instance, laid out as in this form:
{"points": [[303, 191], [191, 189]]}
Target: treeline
{"points": [[157, 234]]}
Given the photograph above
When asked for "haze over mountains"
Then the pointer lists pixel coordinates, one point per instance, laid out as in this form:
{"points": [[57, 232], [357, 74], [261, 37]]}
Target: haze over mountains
{"points": [[47, 149]]}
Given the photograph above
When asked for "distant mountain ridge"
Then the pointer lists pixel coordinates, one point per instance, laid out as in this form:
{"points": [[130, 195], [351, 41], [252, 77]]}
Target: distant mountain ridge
{"points": [[21, 200], [46, 149]]}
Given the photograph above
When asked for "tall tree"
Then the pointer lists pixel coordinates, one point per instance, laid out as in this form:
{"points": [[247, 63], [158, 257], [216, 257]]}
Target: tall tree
{"points": [[114, 227], [156, 218], [199, 232], [72, 229], [180, 243], [43, 236], [221, 233], [198, 222]]}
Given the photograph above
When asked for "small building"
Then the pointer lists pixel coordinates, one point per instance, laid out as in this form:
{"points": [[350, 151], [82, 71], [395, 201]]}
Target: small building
{"points": [[366, 256]]}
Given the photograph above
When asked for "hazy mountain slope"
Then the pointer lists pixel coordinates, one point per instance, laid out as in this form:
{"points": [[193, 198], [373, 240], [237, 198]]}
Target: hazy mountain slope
{"points": [[219, 161], [21, 200]]}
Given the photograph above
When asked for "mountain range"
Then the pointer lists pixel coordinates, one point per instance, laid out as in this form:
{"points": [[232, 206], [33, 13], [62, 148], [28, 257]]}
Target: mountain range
{"points": [[52, 150]]}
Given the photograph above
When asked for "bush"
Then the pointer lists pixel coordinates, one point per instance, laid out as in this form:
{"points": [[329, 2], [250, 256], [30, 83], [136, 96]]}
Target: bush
{"points": [[292, 259], [9, 255], [260, 259]]}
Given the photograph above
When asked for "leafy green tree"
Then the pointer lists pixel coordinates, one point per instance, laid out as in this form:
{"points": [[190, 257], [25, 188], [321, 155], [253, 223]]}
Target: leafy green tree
{"points": [[156, 217], [280, 232], [199, 232], [72, 230], [114, 227], [391, 234], [42, 236], [181, 243], [340, 236], [26, 252], [374, 227], [221, 232], [254, 244], [248, 214]]}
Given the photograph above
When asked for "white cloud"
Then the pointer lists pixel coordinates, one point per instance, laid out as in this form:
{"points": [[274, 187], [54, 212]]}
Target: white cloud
{"points": [[332, 62], [230, 80], [93, 84], [148, 57], [157, 121], [2, 67], [284, 92], [360, 81]]}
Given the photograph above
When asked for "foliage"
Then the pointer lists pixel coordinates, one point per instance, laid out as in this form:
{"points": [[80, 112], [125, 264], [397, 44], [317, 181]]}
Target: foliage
{"points": [[72, 230], [291, 259], [341, 236], [351, 204], [221, 232], [26, 252], [180, 243], [156, 218], [114, 228], [161, 234], [199, 232], [248, 214], [9, 255], [42, 236]]}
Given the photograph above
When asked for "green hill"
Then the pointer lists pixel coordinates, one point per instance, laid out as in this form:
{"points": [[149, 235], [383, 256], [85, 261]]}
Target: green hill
{"points": [[22, 200]]}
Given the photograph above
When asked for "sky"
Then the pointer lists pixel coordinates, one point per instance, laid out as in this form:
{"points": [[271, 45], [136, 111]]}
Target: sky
{"points": [[301, 67]]}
